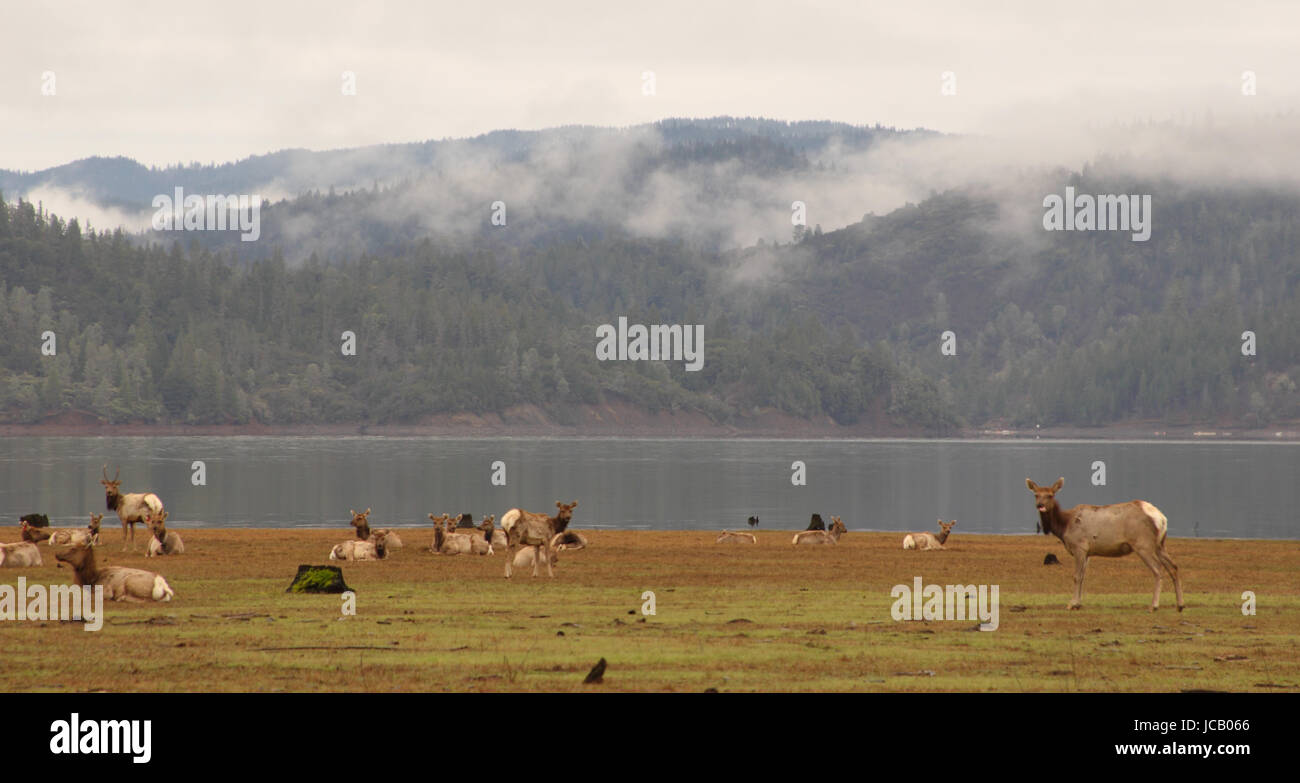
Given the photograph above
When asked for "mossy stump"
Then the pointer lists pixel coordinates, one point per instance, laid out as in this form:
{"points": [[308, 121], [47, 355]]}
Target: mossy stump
{"points": [[318, 579]]}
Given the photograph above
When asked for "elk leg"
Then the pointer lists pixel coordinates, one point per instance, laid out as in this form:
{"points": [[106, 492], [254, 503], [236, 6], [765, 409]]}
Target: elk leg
{"points": [[1154, 565], [550, 555], [510, 558], [1080, 569], [537, 554], [1172, 568]]}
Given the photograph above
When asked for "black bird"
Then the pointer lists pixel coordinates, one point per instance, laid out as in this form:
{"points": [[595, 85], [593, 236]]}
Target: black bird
{"points": [[1051, 559], [753, 521], [597, 673]]}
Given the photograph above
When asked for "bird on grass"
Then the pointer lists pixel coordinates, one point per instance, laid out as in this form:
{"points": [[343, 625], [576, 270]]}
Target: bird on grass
{"points": [[597, 673]]}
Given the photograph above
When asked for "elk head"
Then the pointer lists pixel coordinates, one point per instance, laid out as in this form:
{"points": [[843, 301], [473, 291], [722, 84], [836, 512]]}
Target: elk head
{"points": [[564, 515], [76, 556], [361, 522], [94, 522], [837, 526], [1045, 501], [158, 524], [111, 485]]}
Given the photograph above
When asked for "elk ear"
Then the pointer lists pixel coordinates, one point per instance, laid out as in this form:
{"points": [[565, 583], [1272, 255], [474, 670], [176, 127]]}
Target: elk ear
{"points": [[1060, 482], [1030, 483], [367, 512]]}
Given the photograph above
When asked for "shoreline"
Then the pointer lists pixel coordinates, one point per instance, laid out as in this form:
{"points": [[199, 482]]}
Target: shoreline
{"points": [[1282, 433]]}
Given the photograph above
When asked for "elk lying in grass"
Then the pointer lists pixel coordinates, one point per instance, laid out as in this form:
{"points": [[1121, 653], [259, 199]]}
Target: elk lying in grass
{"points": [[448, 542], [831, 536], [164, 541], [131, 508], [362, 524], [569, 539], [1107, 531], [926, 541], [120, 584], [526, 528], [728, 537], [495, 535], [20, 554], [65, 536], [373, 548]]}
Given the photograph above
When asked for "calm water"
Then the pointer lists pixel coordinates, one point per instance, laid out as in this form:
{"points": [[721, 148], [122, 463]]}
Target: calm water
{"points": [[1242, 490]]}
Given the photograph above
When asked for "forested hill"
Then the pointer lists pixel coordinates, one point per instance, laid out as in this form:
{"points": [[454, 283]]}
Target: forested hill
{"points": [[1050, 328]]}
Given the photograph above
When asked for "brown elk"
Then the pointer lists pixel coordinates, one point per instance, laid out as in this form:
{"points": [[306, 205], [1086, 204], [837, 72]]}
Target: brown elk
{"points": [[164, 541], [20, 554], [362, 523], [131, 508], [527, 528], [925, 541], [448, 542], [65, 536], [373, 548], [364, 533], [831, 536], [120, 584], [736, 537], [1107, 531]]}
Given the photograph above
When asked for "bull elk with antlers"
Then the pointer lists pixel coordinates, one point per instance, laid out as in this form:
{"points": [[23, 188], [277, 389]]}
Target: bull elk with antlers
{"points": [[132, 508]]}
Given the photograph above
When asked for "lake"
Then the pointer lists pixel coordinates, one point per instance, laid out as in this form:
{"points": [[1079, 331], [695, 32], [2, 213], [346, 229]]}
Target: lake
{"points": [[1233, 490]]}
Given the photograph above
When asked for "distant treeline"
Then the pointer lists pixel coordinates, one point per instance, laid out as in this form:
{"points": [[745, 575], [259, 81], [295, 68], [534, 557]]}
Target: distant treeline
{"points": [[1051, 329]]}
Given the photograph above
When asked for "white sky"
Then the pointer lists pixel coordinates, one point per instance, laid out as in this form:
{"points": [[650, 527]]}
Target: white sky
{"points": [[163, 82]]}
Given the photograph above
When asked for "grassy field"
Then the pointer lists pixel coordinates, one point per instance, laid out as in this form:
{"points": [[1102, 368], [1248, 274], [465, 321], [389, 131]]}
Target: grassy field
{"points": [[766, 617]]}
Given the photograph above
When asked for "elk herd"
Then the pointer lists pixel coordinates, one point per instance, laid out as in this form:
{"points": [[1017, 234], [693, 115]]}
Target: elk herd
{"points": [[532, 540]]}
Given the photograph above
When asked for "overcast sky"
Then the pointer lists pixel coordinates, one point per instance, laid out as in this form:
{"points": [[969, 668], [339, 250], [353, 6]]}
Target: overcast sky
{"points": [[163, 82]]}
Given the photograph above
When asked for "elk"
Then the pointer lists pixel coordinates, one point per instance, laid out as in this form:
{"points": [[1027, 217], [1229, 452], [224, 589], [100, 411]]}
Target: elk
{"points": [[446, 542], [64, 536], [926, 541], [164, 541], [831, 536], [526, 528], [362, 523], [131, 508], [373, 548], [120, 584], [495, 535], [20, 554], [569, 539], [1107, 531], [816, 523], [728, 537]]}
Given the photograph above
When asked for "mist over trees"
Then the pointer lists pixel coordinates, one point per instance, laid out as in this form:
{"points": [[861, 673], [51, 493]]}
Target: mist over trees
{"points": [[1051, 328]]}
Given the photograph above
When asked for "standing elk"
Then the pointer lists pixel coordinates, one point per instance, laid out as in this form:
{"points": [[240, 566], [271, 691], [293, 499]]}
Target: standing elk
{"points": [[926, 541], [131, 508], [831, 536], [530, 529], [120, 584], [163, 541], [1107, 531]]}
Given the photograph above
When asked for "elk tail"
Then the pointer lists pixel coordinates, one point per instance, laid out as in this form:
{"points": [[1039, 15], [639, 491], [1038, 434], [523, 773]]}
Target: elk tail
{"points": [[161, 590]]}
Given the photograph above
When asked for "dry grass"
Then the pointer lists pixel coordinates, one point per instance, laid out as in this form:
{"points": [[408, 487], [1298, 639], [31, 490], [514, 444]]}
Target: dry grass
{"points": [[765, 617]]}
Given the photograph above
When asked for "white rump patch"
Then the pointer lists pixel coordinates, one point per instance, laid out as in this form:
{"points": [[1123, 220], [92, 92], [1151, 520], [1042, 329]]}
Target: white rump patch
{"points": [[1157, 518]]}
